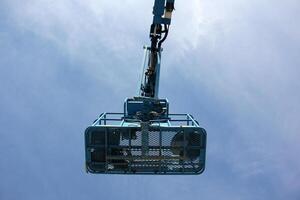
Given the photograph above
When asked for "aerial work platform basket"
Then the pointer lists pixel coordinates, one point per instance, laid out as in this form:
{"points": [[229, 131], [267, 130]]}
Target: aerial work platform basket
{"points": [[118, 144]]}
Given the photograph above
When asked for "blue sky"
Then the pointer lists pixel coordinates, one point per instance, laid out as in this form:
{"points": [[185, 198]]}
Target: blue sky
{"points": [[234, 65]]}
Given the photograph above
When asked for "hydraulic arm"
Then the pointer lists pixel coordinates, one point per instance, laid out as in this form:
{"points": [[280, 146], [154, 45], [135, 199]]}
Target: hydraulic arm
{"points": [[145, 138], [159, 30]]}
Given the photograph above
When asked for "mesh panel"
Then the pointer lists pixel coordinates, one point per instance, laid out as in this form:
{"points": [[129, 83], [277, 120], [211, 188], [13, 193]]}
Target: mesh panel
{"points": [[167, 150]]}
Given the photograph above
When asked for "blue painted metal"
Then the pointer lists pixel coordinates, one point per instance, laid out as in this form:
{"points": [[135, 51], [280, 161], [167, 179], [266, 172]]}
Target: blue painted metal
{"points": [[123, 148], [160, 11], [145, 138], [146, 109], [146, 61]]}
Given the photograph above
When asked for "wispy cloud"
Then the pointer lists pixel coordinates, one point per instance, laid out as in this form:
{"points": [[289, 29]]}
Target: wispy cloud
{"points": [[234, 64]]}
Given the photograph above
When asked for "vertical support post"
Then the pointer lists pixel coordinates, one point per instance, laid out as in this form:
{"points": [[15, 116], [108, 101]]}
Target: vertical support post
{"points": [[184, 150], [106, 150], [130, 160], [160, 144], [145, 138], [188, 120]]}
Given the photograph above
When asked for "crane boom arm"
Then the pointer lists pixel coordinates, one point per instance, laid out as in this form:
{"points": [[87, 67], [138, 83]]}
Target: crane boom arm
{"points": [[159, 30]]}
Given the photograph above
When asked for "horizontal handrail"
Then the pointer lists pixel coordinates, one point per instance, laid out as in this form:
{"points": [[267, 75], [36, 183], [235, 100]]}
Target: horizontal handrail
{"points": [[105, 118]]}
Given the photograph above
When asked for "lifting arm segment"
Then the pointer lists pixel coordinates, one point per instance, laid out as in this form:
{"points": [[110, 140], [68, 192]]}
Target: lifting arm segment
{"points": [[162, 12]]}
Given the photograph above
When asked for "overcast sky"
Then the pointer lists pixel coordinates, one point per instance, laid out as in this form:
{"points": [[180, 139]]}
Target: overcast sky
{"points": [[233, 64]]}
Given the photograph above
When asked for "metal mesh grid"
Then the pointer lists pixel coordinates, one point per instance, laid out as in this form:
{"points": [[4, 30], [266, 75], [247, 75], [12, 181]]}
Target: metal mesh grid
{"points": [[164, 150]]}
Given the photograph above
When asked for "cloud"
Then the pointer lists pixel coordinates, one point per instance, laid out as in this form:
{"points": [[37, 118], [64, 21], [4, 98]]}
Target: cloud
{"points": [[233, 64]]}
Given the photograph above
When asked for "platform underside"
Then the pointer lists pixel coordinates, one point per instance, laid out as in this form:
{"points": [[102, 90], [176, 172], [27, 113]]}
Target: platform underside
{"points": [[132, 150]]}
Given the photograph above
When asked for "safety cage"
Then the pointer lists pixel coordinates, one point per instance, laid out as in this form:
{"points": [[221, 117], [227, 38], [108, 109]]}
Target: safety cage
{"points": [[114, 145]]}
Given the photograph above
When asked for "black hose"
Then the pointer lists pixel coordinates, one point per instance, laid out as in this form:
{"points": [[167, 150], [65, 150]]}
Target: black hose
{"points": [[165, 36]]}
